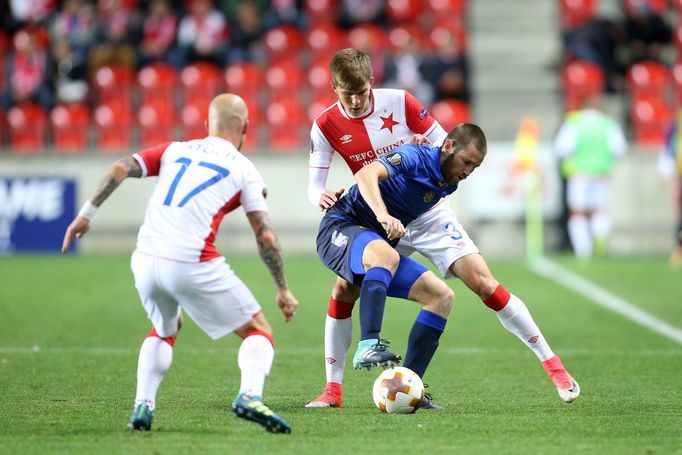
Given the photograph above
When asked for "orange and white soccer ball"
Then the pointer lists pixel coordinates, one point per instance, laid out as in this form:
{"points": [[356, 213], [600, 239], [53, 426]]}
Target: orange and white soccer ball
{"points": [[398, 390]]}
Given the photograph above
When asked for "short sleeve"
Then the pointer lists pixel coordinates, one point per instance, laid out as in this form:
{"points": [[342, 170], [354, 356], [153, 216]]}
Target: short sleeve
{"points": [[252, 196], [401, 161], [417, 116], [150, 159]]}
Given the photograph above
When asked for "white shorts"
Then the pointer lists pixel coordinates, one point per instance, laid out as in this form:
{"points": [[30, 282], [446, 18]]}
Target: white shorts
{"points": [[209, 292], [588, 193], [439, 237]]}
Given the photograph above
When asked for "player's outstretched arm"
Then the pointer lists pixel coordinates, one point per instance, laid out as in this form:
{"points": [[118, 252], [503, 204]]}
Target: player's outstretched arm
{"points": [[114, 175], [368, 179], [271, 254]]}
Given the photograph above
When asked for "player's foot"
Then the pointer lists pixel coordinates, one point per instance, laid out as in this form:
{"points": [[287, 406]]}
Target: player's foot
{"points": [[427, 402], [374, 353], [253, 409], [567, 387], [141, 419], [330, 398]]}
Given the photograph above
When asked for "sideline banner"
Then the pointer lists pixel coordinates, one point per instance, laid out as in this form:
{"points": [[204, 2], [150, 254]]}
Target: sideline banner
{"points": [[35, 212]]}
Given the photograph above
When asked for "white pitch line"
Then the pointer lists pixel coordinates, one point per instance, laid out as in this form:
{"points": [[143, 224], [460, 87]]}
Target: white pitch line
{"points": [[554, 272]]}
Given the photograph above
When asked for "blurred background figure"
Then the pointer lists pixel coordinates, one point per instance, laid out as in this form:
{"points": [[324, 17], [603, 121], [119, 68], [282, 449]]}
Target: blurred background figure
{"points": [[646, 31], [246, 32], [28, 73], [118, 36], [670, 170], [203, 35], [588, 142], [158, 33]]}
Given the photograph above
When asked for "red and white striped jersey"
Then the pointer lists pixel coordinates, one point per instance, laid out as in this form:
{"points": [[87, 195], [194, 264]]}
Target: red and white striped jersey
{"points": [[199, 182], [394, 117]]}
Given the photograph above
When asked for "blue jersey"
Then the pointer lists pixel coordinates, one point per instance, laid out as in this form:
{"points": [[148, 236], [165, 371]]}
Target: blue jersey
{"points": [[415, 184]]}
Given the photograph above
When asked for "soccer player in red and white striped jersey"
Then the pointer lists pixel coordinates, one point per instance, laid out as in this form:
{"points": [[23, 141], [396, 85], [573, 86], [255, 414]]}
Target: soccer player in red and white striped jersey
{"points": [[366, 123]]}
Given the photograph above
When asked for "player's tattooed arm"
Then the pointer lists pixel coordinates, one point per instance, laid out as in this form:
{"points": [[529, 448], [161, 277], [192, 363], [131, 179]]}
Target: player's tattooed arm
{"points": [[268, 246], [115, 174]]}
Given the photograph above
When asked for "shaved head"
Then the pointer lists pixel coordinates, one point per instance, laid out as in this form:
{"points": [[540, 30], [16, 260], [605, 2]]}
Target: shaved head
{"points": [[228, 117]]}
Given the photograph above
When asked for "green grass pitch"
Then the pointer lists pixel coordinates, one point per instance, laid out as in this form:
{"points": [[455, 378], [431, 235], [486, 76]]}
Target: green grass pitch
{"points": [[71, 327]]}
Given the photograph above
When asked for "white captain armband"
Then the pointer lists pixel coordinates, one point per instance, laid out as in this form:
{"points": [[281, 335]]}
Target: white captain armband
{"points": [[88, 210]]}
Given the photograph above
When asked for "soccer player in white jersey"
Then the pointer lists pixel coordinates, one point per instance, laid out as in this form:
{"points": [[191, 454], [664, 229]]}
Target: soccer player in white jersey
{"points": [[367, 123], [176, 265]]}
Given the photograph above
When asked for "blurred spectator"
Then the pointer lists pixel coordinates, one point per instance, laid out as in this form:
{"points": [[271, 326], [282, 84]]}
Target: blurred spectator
{"points": [[403, 71], [284, 12], [646, 31], [670, 170], [588, 141], [28, 73], [158, 33], [203, 35], [447, 69], [598, 41], [246, 32], [73, 32], [355, 12], [25, 11], [119, 35]]}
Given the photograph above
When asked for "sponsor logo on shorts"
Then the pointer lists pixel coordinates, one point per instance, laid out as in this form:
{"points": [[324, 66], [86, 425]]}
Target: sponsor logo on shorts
{"points": [[338, 239], [428, 197], [394, 158]]}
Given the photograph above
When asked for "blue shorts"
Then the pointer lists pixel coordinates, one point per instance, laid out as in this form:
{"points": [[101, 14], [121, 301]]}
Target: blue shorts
{"points": [[340, 244]]}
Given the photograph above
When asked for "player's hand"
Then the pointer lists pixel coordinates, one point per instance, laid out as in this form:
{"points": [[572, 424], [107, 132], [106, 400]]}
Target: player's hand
{"points": [[419, 139], [329, 198], [77, 229], [287, 303], [393, 226]]}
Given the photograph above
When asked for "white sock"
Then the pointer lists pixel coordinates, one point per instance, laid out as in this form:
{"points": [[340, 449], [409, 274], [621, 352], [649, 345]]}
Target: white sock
{"points": [[338, 334], [255, 360], [580, 235], [516, 318], [154, 361], [600, 224]]}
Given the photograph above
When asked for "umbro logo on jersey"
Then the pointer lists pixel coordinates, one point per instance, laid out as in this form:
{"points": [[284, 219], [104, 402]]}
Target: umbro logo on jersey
{"points": [[345, 139], [339, 239]]}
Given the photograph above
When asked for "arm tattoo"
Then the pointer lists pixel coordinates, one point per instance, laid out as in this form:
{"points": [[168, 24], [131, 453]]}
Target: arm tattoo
{"points": [[268, 247], [110, 182]]}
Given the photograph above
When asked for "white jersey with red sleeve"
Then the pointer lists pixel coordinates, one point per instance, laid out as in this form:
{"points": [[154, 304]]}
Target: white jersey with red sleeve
{"points": [[394, 117], [199, 182]]}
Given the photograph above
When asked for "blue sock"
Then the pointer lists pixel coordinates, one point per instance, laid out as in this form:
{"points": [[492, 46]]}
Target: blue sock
{"points": [[372, 301], [423, 341]]}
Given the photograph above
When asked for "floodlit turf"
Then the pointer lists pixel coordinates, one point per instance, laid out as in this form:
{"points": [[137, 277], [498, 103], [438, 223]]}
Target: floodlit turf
{"points": [[71, 327]]}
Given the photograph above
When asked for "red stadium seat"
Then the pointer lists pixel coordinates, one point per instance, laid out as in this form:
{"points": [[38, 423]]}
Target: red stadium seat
{"points": [[113, 82], [576, 12], [404, 37], [449, 32], [450, 113], [319, 103], [283, 43], [650, 118], [368, 37], [324, 39], [580, 80], [447, 8], [319, 78], [677, 83], [401, 11], [113, 126], [284, 78], [192, 119], [157, 123], [245, 79], [285, 118], [70, 128], [26, 127], [648, 78], [158, 81], [200, 81], [322, 11]]}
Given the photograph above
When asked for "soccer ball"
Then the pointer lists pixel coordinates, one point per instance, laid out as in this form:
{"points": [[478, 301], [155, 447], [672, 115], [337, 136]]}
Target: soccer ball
{"points": [[398, 390]]}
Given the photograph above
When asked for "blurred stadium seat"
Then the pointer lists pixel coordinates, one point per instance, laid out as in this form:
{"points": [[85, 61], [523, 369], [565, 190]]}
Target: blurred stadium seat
{"points": [[322, 11], [192, 120], [448, 8], [324, 39], [449, 32], [650, 118], [26, 128], [113, 126], [70, 128], [676, 73], [283, 43], [648, 78], [113, 82], [368, 37], [576, 12], [580, 80], [285, 118], [245, 79], [200, 81], [157, 81], [284, 78], [403, 11], [450, 113], [157, 122], [319, 78]]}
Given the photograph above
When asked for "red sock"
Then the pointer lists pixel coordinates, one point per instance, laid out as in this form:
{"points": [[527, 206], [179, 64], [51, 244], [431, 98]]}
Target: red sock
{"points": [[498, 299], [339, 309]]}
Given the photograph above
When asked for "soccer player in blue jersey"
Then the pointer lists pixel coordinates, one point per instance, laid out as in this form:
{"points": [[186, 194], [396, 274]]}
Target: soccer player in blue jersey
{"points": [[358, 234]]}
